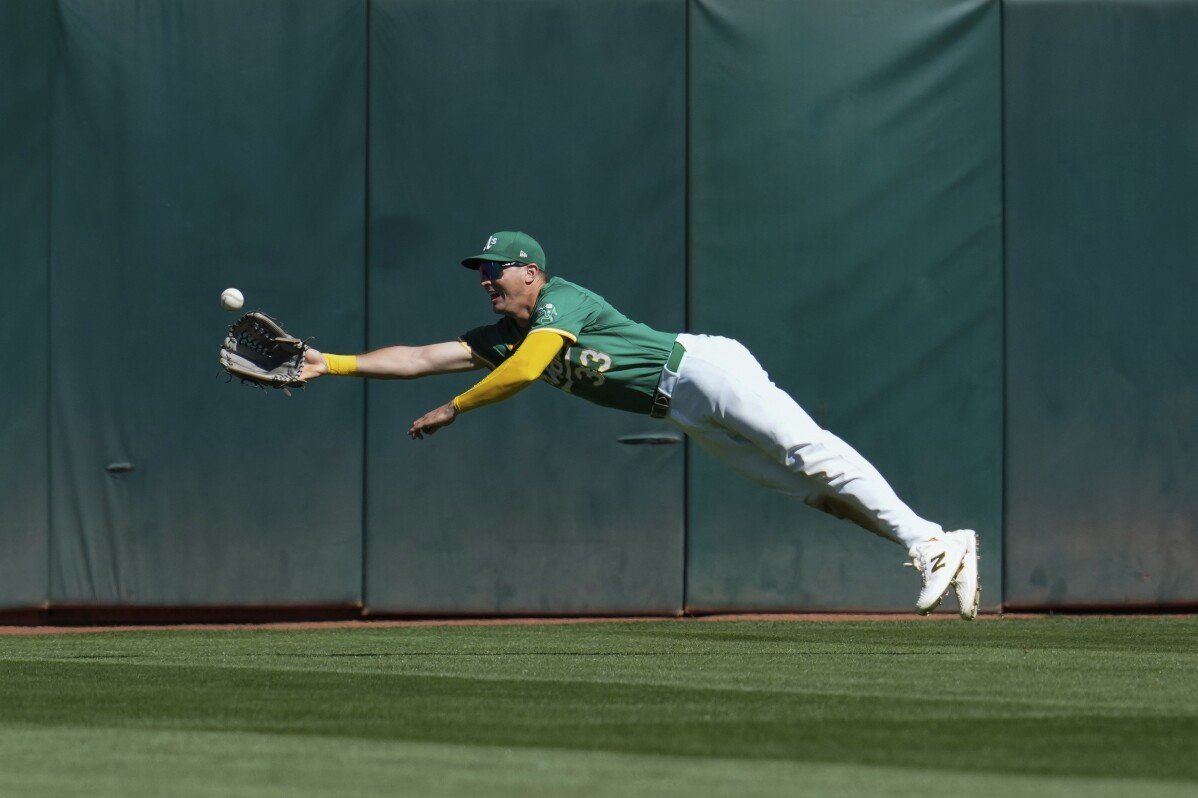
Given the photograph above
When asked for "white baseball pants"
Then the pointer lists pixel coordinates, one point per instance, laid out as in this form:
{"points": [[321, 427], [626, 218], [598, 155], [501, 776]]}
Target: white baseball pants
{"points": [[723, 399]]}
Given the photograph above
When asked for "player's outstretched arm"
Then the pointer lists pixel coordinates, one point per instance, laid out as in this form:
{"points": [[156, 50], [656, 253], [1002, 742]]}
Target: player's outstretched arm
{"points": [[393, 362], [512, 376]]}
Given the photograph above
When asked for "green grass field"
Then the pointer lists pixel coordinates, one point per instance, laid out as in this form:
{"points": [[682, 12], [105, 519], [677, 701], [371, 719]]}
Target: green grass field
{"points": [[1087, 707]]}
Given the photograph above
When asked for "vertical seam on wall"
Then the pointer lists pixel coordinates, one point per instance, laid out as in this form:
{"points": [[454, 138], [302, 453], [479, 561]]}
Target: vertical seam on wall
{"points": [[686, 281], [365, 307], [51, 42], [1002, 171]]}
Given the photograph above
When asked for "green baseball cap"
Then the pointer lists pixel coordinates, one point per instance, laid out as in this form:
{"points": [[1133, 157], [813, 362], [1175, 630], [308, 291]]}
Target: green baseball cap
{"points": [[507, 246]]}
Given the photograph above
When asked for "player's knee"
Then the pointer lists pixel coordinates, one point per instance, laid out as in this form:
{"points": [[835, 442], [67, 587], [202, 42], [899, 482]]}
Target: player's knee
{"points": [[802, 456]]}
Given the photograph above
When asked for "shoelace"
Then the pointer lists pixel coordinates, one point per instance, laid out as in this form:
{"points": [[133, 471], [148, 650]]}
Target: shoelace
{"points": [[923, 574]]}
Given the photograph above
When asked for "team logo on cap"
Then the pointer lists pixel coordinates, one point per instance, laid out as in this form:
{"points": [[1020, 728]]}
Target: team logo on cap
{"points": [[492, 241]]}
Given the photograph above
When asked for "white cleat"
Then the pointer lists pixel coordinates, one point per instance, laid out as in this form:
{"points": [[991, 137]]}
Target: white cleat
{"points": [[938, 560], [966, 583]]}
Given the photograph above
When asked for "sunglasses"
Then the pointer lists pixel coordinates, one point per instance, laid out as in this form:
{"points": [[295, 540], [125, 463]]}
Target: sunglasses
{"points": [[491, 270]]}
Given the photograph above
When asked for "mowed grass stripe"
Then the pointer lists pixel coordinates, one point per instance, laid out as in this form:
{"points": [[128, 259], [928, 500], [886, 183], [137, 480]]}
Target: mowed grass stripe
{"points": [[1032, 697], [1037, 684], [1135, 664], [134, 763]]}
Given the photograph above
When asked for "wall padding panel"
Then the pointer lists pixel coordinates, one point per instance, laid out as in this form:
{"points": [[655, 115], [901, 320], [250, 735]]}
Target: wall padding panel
{"points": [[846, 226], [25, 29], [1102, 193], [201, 144], [565, 120]]}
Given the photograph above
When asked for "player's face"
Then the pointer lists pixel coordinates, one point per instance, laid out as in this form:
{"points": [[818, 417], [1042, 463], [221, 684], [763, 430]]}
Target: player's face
{"points": [[502, 282]]}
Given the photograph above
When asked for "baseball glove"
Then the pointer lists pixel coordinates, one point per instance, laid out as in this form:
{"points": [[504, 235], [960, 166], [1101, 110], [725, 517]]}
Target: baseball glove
{"points": [[259, 351]]}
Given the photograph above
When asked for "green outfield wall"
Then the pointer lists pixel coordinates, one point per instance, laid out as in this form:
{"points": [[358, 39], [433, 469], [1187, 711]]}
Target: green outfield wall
{"points": [[1102, 276], [200, 144], [959, 232], [846, 209], [25, 63], [567, 120]]}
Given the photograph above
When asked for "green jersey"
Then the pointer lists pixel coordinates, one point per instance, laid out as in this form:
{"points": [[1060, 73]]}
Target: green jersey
{"points": [[608, 359]]}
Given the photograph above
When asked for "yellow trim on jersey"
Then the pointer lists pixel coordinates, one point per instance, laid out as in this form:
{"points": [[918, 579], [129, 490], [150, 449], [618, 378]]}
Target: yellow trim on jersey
{"points": [[569, 336], [476, 355], [514, 374]]}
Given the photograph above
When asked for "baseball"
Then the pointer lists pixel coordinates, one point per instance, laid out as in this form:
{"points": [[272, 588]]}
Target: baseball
{"points": [[231, 299]]}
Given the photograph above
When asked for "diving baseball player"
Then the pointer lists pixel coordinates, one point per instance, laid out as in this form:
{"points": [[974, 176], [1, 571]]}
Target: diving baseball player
{"points": [[711, 388]]}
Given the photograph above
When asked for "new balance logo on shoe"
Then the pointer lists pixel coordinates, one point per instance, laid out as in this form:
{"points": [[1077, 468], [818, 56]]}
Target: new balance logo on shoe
{"points": [[956, 555]]}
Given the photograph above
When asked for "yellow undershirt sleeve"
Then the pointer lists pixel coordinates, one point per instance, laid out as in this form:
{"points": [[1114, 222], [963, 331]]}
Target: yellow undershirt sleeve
{"points": [[514, 374], [341, 364]]}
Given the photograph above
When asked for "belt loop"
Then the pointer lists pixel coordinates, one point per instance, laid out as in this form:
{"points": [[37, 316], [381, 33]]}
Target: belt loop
{"points": [[667, 381], [675, 360]]}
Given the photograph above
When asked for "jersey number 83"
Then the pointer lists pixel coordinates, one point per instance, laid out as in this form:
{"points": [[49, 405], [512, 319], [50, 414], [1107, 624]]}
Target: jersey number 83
{"points": [[564, 373]]}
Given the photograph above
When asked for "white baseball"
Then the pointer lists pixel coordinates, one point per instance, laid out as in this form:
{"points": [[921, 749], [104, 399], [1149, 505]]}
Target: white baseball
{"points": [[231, 299]]}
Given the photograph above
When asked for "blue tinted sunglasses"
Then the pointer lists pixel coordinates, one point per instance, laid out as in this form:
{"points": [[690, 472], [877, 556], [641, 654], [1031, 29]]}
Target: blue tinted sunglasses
{"points": [[492, 270]]}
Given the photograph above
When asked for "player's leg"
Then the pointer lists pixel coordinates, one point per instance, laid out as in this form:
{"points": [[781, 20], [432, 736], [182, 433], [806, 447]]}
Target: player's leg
{"points": [[723, 387], [726, 401], [744, 457], [741, 456], [930, 557]]}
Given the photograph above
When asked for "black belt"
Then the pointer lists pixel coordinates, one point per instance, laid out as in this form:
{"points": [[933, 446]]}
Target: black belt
{"points": [[661, 399]]}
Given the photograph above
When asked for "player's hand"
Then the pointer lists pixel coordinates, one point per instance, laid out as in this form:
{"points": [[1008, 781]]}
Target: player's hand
{"points": [[432, 421], [314, 365]]}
